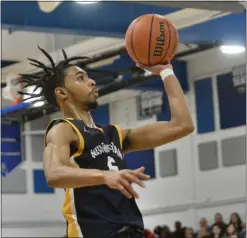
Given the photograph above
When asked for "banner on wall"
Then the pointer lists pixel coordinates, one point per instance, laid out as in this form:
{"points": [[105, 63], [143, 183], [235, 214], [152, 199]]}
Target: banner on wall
{"points": [[231, 89], [239, 79], [150, 103], [11, 155]]}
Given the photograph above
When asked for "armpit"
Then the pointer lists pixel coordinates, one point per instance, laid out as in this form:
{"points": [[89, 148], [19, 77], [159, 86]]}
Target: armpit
{"points": [[126, 141]]}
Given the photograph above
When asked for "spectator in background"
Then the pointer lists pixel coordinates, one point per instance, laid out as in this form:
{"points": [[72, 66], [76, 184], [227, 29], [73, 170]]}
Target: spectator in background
{"points": [[189, 233], [203, 233], [165, 232], [231, 231], [243, 232], [204, 229], [157, 231], [216, 232], [179, 231], [148, 234], [218, 220], [243, 226], [236, 221]]}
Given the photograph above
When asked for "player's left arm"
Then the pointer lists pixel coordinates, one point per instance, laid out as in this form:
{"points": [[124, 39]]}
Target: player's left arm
{"points": [[159, 133]]}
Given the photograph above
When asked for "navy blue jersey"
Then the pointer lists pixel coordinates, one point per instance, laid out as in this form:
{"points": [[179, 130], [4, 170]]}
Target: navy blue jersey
{"points": [[97, 211]]}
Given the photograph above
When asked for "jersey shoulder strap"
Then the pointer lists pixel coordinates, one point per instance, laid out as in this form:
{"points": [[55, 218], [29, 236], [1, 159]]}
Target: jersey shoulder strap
{"points": [[76, 127], [120, 134], [115, 131]]}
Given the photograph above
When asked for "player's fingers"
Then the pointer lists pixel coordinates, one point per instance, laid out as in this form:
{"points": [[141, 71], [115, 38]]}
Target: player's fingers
{"points": [[129, 188], [141, 66], [134, 179], [122, 189], [143, 176], [139, 170], [139, 173]]}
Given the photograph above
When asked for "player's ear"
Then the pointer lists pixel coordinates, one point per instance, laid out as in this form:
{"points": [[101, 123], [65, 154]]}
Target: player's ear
{"points": [[61, 93]]}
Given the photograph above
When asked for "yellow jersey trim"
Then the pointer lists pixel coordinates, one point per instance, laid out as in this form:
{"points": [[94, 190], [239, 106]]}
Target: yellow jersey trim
{"points": [[99, 129], [47, 129], [69, 214], [69, 206], [120, 135], [81, 139]]}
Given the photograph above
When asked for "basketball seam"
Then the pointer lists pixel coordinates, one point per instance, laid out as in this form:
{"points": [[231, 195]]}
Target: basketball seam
{"points": [[168, 43], [132, 46], [175, 45], [150, 39]]}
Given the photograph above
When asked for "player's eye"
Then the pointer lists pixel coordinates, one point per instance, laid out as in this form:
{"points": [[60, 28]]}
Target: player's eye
{"points": [[85, 77], [80, 77]]}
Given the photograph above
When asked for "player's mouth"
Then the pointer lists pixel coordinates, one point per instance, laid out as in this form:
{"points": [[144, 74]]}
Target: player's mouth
{"points": [[95, 92]]}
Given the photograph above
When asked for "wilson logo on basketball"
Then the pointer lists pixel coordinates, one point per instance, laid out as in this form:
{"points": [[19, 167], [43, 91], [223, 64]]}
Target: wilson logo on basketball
{"points": [[160, 41]]}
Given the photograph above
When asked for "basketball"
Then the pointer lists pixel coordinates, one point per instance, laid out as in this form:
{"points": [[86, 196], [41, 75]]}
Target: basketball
{"points": [[151, 39]]}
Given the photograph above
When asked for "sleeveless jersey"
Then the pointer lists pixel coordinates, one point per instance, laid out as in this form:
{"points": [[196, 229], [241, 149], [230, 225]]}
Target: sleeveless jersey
{"points": [[97, 211]]}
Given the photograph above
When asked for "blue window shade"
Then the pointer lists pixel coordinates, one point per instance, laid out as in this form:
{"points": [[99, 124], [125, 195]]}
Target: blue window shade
{"points": [[166, 114], [101, 115], [40, 184], [13, 146], [232, 102], [11, 155], [10, 129], [138, 159], [204, 105]]}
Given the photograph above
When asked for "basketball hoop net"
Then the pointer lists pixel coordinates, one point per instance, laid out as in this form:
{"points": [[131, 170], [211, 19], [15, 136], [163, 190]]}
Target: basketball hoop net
{"points": [[13, 85]]}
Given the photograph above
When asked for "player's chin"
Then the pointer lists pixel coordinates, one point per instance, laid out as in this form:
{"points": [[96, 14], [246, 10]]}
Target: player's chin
{"points": [[93, 97], [93, 105]]}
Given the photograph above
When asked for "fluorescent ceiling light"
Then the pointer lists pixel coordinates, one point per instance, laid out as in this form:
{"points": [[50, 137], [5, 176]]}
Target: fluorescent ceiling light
{"points": [[232, 49]]}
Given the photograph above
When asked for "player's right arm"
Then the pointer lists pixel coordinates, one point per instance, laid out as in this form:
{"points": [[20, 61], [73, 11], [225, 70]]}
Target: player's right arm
{"points": [[60, 174]]}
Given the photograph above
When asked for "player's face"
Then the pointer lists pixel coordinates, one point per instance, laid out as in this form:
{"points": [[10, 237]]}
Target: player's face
{"points": [[81, 88], [218, 219], [203, 222], [234, 218]]}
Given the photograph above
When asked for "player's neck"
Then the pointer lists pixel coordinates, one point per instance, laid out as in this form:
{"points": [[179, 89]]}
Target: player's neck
{"points": [[72, 111]]}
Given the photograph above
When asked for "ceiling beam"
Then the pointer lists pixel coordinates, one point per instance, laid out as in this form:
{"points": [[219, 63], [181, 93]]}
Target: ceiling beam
{"points": [[105, 19], [99, 19], [234, 7]]}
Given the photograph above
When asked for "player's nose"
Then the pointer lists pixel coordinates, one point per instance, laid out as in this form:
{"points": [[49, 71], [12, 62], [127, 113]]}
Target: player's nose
{"points": [[92, 83]]}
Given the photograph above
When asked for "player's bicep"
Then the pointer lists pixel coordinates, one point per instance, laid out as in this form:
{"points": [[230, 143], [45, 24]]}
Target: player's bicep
{"points": [[55, 156], [57, 150]]}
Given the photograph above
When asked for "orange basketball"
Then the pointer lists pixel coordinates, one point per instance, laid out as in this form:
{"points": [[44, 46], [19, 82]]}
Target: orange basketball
{"points": [[151, 39]]}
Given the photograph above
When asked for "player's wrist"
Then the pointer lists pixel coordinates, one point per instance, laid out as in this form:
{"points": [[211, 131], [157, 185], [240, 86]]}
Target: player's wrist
{"points": [[166, 73], [105, 175], [100, 176]]}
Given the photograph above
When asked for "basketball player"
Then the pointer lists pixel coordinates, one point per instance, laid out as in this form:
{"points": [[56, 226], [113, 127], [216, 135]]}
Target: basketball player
{"points": [[87, 159]]}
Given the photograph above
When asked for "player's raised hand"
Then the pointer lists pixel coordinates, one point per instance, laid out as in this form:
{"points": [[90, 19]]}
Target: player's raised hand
{"points": [[155, 69], [122, 180]]}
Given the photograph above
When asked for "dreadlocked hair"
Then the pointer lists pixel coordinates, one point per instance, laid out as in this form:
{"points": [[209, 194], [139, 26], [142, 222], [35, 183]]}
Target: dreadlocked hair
{"points": [[51, 77]]}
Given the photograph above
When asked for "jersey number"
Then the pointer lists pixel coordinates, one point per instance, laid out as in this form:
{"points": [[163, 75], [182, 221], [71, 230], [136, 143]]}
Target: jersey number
{"points": [[110, 163]]}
